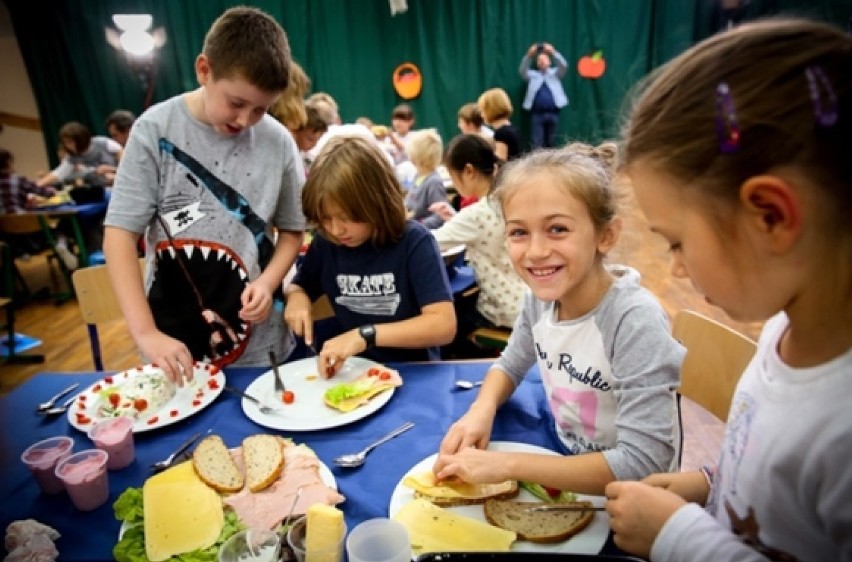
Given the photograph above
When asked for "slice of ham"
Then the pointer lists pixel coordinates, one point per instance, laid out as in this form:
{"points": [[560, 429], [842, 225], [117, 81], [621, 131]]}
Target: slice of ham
{"points": [[268, 508]]}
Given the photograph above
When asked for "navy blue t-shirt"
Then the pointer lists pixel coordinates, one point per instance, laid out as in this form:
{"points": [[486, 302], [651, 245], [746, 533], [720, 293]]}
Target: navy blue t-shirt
{"points": [[370, 285]]}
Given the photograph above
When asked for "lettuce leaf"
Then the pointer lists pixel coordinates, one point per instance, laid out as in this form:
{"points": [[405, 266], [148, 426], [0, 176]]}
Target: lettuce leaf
{"points": [[344, 391], [131, 546], [548, 495]]}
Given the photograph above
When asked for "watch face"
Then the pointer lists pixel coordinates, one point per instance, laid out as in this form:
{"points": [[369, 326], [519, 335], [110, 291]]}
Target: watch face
{"points": [[368, 332]]}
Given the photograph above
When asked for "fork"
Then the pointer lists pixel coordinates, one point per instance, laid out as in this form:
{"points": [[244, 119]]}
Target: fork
{"points": [[52, 401], [261, 406], [169, 460], [279, 384]]}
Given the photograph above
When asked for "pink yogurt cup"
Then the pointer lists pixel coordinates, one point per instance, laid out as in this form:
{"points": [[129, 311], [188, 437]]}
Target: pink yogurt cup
{"points": [[42, 458], [115, 436], [85, 477]]}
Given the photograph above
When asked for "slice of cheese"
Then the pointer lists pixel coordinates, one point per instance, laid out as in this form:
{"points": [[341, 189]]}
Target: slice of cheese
{"points": [[425, 484], [181, 513], [435, 529], [324, 533]]}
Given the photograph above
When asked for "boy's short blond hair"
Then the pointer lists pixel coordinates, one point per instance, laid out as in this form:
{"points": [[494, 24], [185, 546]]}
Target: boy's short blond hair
{"points": [[425, 148], [248, 43], [495, 104]]}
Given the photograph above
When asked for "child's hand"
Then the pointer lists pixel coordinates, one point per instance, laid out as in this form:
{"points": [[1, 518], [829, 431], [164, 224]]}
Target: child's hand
{"points": [[257, 302], [443, 209], [472, 465], [471, 430], [297, 315], [637, 513], [335, 351], [171, 355], [691, 486]]}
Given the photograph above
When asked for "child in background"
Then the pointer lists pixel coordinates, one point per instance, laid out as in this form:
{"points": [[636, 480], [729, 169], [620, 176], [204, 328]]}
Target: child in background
{"points": [[209, 178], [496, 108], [745, 171], [402, 122], [118, 125], [424, 150], [382, 274], [470, 121], [308, 135], [289, 109], [471, 162], [608, 362], [88, 159]]}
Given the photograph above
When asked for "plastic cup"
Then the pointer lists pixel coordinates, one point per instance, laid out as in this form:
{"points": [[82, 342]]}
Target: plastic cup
{"points": [[251, 545], [85, 477], [42, 458], [379, 540], [296, 542], [115, 436]]}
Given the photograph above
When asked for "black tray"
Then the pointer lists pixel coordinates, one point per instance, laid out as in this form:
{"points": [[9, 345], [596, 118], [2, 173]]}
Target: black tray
{"points": [[521, 557]]}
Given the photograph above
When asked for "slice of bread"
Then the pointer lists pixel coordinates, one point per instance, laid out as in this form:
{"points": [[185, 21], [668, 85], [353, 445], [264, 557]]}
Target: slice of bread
{"points": [[264, 460], [453, 492], [537, 526], [215, 466]]}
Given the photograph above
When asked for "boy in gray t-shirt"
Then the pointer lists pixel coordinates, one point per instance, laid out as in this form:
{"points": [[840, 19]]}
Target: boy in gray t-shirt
{"points": [[209, 178]]}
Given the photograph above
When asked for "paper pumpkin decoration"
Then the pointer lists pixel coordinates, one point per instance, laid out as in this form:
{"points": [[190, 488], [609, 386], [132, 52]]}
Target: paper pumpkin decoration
{"points": [[407, 80], [591, 66]]}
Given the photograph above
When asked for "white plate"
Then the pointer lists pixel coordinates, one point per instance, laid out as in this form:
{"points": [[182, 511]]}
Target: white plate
{"points": [[207, 383], [588, 541], [308, 412]]}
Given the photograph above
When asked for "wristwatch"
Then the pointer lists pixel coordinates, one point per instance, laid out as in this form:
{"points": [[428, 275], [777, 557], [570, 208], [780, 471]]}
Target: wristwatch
{"points": [[368, 332]]}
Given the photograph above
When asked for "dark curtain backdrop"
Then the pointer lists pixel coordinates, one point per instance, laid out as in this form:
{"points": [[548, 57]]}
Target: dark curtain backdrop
{"points": [[349, 48]]}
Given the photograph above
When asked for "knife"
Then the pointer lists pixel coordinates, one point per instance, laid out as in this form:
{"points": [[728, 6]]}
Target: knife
{"points": [[564, 507]]}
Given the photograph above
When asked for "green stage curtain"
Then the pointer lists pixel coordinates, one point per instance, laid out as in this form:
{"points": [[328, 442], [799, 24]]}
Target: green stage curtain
{"points": [[349, 48]]}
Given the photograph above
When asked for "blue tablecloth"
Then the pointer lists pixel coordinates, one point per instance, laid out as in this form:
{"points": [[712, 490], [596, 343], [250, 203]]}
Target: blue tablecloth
{"points": [[427, 398]]}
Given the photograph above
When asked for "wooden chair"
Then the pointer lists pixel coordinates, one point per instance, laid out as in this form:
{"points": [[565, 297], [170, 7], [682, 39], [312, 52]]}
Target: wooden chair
{"points": [[7, 302], [97, 303], [33, 224], [716, 356]]}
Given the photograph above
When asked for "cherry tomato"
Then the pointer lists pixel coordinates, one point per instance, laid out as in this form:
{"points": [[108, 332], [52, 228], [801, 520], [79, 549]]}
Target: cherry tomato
{"points": [[372, 372], [288, 397], [552, 492], [114, 399], [384, 376], [140, 404]]}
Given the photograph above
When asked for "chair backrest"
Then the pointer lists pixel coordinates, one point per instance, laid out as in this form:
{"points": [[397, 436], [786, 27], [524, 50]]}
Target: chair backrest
{"points": [[97, 303], [716, 356], [23, 223]]}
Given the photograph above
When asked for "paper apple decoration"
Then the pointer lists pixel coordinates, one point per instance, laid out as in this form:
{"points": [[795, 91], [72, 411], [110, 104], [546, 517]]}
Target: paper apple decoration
{"points": [[407, 80], [592, 66]]}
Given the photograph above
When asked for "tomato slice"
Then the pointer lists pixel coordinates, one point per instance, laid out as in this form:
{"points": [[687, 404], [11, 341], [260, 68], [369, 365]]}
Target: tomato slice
{"points": [[140, 404], [384, 376], [114, 399], [373, 371]]}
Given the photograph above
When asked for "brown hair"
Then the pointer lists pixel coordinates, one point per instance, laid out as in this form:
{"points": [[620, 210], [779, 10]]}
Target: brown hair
{"points": [[325, 106], [121, 119], [79, 134], [353, 172], [249, 43], [583, 171], [470, 113], [673, 125], [403, 111], [495, 104]]}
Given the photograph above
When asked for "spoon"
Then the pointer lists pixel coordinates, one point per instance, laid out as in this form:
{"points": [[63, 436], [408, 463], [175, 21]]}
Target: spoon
{"points": [[467, 385], [58, 409], [50, 403], [357, 459]]}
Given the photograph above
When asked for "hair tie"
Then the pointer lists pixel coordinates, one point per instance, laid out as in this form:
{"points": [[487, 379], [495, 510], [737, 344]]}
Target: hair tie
{"points": [[727, 126], [824, 113]]}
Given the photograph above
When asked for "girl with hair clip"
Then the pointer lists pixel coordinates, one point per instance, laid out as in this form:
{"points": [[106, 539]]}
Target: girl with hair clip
{"points": [[383, 274], [603, 345], [746, 173], [471, 163]]}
